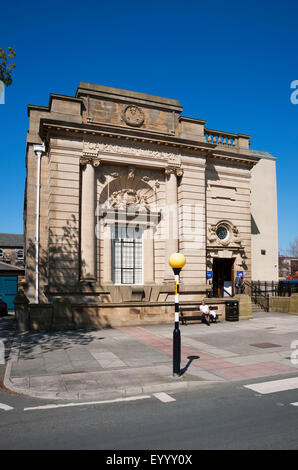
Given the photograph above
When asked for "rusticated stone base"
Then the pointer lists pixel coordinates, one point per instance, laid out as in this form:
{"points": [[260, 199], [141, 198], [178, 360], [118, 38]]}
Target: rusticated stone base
{"points": [[63, 315], [125, 315]]}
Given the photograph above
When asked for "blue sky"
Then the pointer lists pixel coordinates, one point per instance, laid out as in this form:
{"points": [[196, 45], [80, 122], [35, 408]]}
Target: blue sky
{"points": [[228, 62]]}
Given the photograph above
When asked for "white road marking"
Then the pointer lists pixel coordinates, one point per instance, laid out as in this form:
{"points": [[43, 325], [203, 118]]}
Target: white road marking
{"points": [[5, 407], [64, 405], [164, 397], [274, 386]]}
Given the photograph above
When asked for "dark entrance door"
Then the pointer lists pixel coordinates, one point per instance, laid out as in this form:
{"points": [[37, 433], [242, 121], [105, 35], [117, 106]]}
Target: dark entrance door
{"points": [[223, 277]]}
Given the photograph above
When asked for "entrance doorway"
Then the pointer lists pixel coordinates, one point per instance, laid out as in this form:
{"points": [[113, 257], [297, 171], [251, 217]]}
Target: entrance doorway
{"points": [[223, 277], [8, 290]]}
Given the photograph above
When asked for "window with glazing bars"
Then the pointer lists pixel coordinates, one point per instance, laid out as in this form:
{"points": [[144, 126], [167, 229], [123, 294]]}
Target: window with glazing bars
{"points": [[127, 255]]}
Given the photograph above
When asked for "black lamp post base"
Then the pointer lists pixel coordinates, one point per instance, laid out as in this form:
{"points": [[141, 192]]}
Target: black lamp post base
{"points": [[176, 352]]}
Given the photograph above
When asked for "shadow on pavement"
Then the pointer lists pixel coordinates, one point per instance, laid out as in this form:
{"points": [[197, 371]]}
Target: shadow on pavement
{"points": [[191, 358]]}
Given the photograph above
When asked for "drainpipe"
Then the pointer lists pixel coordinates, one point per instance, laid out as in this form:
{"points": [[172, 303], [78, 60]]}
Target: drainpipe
{"points": [[38, 149]]}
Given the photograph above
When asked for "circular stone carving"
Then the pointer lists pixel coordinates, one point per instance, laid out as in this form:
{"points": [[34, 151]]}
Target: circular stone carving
{"points": [[133, 115]]}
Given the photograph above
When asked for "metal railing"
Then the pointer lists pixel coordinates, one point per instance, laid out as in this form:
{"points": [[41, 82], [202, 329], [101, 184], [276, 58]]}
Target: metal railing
{"points": [[261, 291], [287, 288], [274, 288]]}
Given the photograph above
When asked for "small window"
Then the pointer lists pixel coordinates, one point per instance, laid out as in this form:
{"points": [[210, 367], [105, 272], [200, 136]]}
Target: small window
{"points": [[20, 254]]}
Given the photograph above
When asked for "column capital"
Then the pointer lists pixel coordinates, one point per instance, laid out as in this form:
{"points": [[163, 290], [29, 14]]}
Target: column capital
{"points": [[94, 161], [169, 170]]}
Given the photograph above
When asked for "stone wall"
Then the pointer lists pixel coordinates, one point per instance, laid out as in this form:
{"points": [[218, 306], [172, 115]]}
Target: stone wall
{"points": [[228, 199], [64, 315], [245, 306], [63, 211], [284, 304], [192, 226], [264, 222]]}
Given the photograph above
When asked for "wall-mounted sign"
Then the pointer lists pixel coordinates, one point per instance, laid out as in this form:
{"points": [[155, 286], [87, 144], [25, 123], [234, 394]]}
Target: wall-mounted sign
{"points": [[209, 274]]}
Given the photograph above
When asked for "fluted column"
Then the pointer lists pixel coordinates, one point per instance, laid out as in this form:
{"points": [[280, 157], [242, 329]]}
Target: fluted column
{"points": [[88, 241]]}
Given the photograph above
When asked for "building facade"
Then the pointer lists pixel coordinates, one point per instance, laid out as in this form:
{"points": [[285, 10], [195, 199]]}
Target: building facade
{"points": [[123, 181]]}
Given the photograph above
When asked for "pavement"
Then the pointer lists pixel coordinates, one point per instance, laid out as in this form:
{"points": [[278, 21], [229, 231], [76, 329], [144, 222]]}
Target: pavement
{"points": [[129, 361]]}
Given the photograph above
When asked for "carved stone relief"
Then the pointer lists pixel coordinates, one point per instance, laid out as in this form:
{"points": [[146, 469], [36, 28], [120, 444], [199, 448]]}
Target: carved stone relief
{"points": [[133, 115], [93, 148], [128, 198], [224, 233], [131, 172]]}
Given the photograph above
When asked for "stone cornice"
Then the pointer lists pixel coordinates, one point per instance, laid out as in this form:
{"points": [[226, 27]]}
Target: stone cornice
{"points": [[48, 126], [193, 120], [242, 158], [82, 131]]}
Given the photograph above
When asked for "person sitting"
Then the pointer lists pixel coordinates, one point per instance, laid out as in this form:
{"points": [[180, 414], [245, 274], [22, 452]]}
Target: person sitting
{"points": [[204, 309]]}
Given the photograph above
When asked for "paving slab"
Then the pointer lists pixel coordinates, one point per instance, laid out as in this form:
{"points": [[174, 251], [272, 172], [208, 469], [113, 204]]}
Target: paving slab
{"points": [[128, 361]]}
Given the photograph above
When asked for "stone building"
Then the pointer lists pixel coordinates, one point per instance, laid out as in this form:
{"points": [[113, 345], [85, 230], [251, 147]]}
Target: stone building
{"points": [[121, 180]]}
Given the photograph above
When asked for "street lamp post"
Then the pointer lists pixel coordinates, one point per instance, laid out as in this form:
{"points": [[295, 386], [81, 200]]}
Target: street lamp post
{"points": [[176, 261]]}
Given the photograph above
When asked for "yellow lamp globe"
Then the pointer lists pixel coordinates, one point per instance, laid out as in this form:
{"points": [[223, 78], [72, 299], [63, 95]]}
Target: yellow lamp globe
{"points": [[177, 260]]}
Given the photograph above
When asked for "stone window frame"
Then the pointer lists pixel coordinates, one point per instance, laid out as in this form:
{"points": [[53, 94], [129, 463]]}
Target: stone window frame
{"points": [[148, 220], [121, 224]]}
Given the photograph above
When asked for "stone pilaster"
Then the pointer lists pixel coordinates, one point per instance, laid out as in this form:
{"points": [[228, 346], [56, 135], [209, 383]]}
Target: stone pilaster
{"points": [[148, 256], [88, 244], [172, 239], [107, 242]]}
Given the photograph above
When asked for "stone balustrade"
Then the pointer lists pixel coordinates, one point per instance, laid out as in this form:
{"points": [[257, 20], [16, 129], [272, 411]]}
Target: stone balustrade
{"points": [[227, 139]]}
